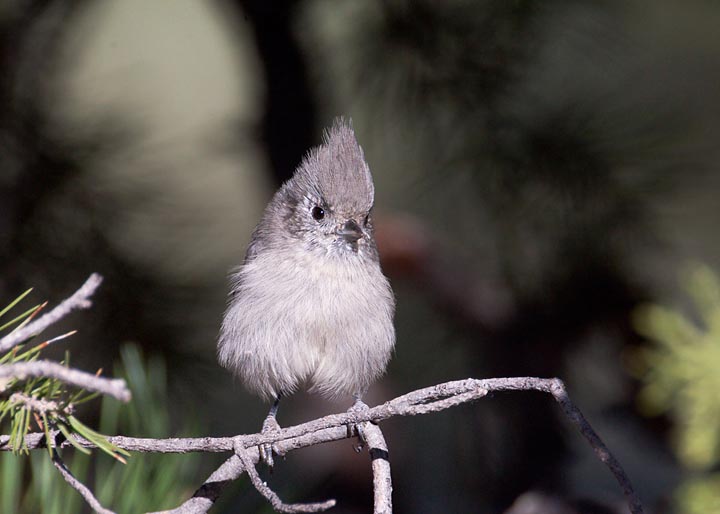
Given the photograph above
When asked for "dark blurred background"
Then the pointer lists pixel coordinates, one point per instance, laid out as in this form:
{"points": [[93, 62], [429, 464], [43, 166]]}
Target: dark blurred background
{"points": [[541, 169]]}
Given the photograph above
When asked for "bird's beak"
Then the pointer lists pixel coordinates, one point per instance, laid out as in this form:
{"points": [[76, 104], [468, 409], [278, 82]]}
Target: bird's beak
{"points": [[350, 231]]}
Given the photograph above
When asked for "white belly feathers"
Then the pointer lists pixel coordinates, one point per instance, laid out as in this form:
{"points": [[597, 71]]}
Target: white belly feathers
{"points": [[309, 325]]}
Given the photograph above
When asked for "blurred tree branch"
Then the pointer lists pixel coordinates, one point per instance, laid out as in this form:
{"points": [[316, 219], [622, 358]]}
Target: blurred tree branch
{"points": [[288, 125], [79, 300], [22, 370]]}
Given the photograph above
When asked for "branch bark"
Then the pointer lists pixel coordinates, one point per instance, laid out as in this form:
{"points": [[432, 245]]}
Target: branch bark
{"points": [[333, 427], [382, 480]]}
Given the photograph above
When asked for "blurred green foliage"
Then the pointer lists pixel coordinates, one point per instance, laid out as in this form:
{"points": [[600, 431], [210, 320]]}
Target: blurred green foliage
{"points": [[680, 378], [147, 482]]}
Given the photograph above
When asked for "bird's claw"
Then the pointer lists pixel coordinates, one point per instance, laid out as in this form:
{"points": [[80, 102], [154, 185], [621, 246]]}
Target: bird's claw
{"points": [[270, 426], [266, 454], [356, 428]]}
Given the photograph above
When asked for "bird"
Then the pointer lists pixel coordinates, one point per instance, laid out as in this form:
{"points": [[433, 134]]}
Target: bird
{"points": [[309, 307]]}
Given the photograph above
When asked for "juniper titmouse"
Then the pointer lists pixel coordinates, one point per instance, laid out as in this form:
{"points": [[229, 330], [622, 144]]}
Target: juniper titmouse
{"points": [[310, 305]]}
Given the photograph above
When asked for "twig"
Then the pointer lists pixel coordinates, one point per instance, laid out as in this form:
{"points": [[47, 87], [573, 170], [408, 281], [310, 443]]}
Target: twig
{"points": [[557, 389], [78, 486], [79, 300], [269, 494], [333, 427], [114, 387], [382, 480]]}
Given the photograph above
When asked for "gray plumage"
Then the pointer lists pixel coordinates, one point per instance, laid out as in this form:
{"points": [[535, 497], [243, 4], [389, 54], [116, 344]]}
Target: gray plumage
{"points": [[310, 306]]}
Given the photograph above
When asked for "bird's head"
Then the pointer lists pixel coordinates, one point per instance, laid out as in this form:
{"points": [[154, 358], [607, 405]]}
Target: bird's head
{"points": [[328, 201]]}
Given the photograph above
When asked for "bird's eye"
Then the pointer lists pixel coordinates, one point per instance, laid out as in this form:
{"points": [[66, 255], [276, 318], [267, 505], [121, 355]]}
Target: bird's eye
{"points": [[318, 213], [367, 220]]}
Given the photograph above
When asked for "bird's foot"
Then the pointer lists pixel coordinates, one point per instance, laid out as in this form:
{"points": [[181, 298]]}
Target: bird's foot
{"points": [[356, 428], [270, 426]]}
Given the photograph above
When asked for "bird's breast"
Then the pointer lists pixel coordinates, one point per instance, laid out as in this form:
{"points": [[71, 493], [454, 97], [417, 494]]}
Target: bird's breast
{"points": [[326, 297]]}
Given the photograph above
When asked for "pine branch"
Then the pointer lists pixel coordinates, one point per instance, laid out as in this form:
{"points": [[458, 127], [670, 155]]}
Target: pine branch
{"points": [[79, 300]]}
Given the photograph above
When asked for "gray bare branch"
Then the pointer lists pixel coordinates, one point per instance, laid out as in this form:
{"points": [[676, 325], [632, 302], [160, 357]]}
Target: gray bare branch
{"points": [[333, 428]]}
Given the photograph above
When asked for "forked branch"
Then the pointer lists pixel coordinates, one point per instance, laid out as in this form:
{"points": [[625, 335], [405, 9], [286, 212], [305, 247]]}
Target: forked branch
{"points": [[334, 427]]}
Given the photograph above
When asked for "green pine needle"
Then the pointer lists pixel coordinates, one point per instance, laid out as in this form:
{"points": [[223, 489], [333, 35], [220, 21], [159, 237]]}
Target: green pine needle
{"points": [[19, 317], [96, 438], [71, 438], [15, 302], [48, 438]]}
